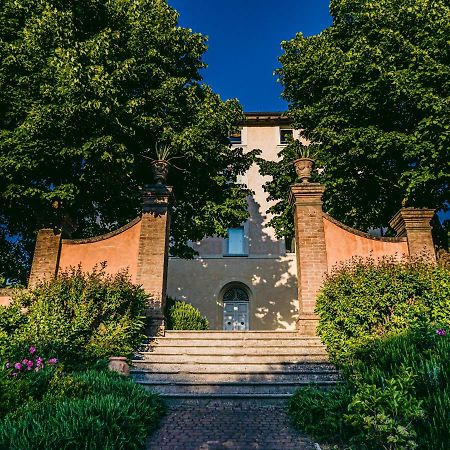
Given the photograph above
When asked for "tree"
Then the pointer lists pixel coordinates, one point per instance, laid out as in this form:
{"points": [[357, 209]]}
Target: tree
{"points": [[88, 88], [371, 92], [12, 261]]}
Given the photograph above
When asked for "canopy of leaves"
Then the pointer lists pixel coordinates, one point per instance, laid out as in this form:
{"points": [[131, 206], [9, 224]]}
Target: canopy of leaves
{"points": [[87, 90], [372, 91], [12, 260]]}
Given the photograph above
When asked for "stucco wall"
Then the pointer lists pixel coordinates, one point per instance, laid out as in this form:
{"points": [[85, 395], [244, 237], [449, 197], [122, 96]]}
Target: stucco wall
{"points": [[272, 282], [343, 243], [5, 297], [261, 240], [118, 249]]}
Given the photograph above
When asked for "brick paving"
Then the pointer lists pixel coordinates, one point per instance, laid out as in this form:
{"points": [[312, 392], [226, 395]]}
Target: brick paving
{"points": [[227, 425]]}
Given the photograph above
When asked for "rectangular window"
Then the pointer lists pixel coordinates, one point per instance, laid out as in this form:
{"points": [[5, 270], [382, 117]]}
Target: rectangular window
{"points": [[286, 134], [236, 241], [236, 137]]}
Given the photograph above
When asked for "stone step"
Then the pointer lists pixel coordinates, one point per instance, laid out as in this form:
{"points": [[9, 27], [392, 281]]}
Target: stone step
{"points": [[235, 342], [231, 388], [234, 350], [216, 334], [231, 367], [208, 398], [300, 356], [218, 377]]}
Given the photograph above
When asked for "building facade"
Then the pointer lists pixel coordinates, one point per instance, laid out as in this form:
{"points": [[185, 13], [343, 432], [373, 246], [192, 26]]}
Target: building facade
{"points": [[249, 279]]}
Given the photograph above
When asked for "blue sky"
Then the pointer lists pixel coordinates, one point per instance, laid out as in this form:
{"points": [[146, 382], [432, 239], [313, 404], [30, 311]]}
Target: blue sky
{"points": [[244, 43]]}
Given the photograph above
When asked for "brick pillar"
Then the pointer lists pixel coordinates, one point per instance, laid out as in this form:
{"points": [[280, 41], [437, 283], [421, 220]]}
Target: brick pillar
{"points": [[46, 257], [310, 249], [415, 225], [153, 250]]}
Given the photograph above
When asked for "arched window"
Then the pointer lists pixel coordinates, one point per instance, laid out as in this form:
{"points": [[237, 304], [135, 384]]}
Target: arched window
{"points": [[235, 294]]}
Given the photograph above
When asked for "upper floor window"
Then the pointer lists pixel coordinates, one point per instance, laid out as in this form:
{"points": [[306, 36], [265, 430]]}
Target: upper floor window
{"points": [[236, 137], [236, 241], [286, 134]]}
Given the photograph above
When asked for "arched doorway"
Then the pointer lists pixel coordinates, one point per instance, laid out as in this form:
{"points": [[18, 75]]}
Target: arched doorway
{"points": [[236, 314]]}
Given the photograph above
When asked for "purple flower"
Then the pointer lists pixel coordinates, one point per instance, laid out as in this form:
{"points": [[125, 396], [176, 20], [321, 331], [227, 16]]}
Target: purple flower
{"points": [[18, 366], [14, 374], [32, 349], [441, 332], [7, 365], [39, 362], [52, 361], [29, 365], [25, 361]]}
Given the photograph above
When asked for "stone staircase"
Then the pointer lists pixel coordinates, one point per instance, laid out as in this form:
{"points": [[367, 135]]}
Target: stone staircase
{"points": [[232, 364]]}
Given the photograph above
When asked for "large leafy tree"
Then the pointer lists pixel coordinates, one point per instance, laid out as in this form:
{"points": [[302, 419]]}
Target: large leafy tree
{"points": [[372, 93], [88, 89]]}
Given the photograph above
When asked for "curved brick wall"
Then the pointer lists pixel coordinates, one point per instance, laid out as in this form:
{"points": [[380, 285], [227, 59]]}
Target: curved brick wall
{"points": [[344, 243], [119, 249]]}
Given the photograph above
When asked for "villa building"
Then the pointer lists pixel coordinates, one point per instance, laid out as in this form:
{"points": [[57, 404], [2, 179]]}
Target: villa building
{"points": [[249, 279]]}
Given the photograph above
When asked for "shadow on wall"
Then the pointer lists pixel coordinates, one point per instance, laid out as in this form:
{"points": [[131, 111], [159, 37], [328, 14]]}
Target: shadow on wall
{"points": [[271, 279]]}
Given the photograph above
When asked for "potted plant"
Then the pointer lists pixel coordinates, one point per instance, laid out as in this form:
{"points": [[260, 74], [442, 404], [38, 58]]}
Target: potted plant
{"points": [[304, 163], [160, 164]]}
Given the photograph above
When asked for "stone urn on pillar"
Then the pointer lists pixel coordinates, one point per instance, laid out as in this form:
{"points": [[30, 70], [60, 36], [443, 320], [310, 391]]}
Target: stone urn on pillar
{"points": [[160, 165], [304, 164], [304, 168], [160, 170]]}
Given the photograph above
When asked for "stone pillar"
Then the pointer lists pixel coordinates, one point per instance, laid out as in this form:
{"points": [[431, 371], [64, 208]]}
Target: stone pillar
{"points": [[415, 225], [46, 257], [310, 250], [153, 250]]}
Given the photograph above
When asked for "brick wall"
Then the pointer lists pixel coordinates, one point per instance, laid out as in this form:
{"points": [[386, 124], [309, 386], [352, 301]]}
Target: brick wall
{"points": [[154, 245], [321, 241], [415, 225], [46, 257], [311, 250]]}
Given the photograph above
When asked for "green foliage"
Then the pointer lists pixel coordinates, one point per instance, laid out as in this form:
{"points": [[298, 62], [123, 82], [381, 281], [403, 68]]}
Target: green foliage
{"points": [[365, 300], [80, 318], [13, 264], [11, 319], [371, 92], [83, 410], [87, 90], [386, 416], [183, 316], [388, 327], [15, 393], [319, 412]]}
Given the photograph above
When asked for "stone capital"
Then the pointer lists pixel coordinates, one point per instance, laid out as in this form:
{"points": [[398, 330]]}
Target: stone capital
{"points": [[156, 198], [306, 194], [410, 220]]}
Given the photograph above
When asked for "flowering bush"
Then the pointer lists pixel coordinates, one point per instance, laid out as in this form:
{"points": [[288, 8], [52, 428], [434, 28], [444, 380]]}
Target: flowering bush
{"points": [[79, 318], [31, 362]]}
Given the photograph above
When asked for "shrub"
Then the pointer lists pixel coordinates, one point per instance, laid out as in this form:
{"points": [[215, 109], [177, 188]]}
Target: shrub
{"points": [[320, 413], [11, 319], [183, 316], [386, 416], [86, 410], [81, 317], [387, 326], [365, 300], [15, 393]]}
